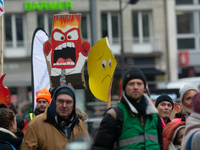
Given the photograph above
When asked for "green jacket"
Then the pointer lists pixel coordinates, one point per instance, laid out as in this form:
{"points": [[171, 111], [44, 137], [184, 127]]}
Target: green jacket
{"points": [[135, 135]]}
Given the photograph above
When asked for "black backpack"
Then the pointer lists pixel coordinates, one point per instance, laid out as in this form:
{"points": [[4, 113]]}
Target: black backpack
{"points": [[119, 121]]}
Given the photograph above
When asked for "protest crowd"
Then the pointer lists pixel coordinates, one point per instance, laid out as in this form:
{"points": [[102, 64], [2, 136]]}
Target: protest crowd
{"points": [[135, 123], [56, 123]]}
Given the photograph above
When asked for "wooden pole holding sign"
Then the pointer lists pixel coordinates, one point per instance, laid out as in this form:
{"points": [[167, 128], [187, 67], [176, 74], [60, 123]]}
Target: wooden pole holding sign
{"points": [[2, 42], [109, 94]]}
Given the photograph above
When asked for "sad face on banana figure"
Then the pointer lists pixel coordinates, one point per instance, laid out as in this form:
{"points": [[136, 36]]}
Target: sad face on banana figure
{"points": [[66, 52]]}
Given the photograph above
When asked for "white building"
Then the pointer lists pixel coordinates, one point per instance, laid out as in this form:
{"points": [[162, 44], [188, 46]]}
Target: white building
{"points": [[154, 33]]}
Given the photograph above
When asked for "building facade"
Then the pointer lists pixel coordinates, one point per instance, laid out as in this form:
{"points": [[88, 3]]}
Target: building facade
{"points": [[155, 33]]}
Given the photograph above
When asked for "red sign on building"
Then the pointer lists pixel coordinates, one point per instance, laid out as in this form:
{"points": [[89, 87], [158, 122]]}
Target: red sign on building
{"points": [[184, 58]]}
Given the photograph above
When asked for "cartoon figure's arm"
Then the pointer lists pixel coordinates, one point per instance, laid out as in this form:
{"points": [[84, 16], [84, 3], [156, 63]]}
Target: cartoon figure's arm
{"points": [[85, 48], [47, 48]]}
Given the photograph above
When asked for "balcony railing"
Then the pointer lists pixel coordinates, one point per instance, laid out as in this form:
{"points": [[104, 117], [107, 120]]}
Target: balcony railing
{"points": [[131, 45], [137, 45], [17, 44]]}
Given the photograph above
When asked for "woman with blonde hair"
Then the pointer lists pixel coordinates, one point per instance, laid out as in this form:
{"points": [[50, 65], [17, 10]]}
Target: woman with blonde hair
{"points": [[8, 128]]}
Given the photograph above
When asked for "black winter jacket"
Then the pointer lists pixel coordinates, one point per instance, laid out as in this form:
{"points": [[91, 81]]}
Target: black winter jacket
{"points": [[106, 135], [7, 136]]}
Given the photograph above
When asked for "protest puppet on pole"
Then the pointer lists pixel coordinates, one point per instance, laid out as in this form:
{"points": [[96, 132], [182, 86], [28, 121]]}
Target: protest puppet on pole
{"points": [[101, 67], [66, 52], [60, 58]]}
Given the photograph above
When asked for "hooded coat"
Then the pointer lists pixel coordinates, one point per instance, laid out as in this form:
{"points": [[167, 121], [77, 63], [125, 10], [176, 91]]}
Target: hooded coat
{"points": [[192, 125], [45, 133], [169, 133]]}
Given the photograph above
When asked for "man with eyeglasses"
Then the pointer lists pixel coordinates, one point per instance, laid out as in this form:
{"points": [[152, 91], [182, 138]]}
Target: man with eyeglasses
{"points": [[58, 125]]}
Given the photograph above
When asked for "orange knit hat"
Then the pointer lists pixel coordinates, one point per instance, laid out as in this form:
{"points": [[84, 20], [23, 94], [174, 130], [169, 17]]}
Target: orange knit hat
{"points": [[44, 93]]}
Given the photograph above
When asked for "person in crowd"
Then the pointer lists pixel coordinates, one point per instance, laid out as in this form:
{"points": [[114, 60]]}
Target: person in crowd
{"points": [[43, 100], [80, 114], [164, 105], [19, 119], [146, 91], [172, 135], [3, 105], [141, 127], [12, 107], [192, 135], [26, 108], [8, 128], [186, 93], [57, 126]]}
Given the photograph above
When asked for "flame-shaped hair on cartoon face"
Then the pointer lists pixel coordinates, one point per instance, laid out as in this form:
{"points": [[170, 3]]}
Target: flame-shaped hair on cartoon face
{"points": [[101, 66], [4, 92], [61, 21]]}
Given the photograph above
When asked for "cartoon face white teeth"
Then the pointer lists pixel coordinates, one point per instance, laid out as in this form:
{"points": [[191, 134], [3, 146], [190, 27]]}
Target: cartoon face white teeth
{"points": [[68, 63], [64, 45]]}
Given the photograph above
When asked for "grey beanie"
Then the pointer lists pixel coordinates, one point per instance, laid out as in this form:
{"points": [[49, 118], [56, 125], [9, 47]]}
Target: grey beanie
{"points": [[186, 88]]}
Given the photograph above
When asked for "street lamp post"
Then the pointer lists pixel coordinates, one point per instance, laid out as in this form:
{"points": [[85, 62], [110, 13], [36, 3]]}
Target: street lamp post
{"points": [[122, 38], [121, 32]]}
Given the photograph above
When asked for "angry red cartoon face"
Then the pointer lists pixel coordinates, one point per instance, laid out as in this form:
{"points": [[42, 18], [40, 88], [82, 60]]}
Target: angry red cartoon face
{"points": [[65, 48]]}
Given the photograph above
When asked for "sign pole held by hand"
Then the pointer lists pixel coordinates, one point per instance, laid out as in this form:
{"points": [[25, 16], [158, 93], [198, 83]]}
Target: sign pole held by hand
{"points": [[2, 32], [2, 42], [109, 95]]}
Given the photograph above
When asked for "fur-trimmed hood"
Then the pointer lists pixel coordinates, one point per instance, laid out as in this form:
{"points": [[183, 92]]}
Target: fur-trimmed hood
{"points": [[192, 125], [8, 136], [151, 109]]}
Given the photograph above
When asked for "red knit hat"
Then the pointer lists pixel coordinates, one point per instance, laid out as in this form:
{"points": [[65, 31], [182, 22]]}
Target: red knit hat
{"points": [[44, 93]]}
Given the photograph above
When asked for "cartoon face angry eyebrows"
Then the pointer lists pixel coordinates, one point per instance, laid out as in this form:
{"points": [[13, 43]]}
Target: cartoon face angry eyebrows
{"points": [[66, 41], [66, 51], [66, 46]]}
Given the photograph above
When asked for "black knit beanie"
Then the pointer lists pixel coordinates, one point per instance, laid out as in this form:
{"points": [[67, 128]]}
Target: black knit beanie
{"points": [[65, 91], [133, 73], [164, 97]]}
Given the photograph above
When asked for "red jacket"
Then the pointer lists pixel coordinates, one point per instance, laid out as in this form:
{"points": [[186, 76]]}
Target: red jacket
{"points": [[168, 132]]}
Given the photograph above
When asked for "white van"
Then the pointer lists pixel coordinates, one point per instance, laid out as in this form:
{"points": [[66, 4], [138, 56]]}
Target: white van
{"points": [[195, 81]]}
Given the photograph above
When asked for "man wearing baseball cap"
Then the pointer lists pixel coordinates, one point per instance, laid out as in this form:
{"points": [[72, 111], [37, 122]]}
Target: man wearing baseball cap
{"points": [[141, 127], [43, 100]]}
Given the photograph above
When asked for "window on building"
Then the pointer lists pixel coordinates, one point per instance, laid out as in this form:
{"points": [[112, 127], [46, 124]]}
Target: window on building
{"points": [[144, 61], [110, 26], [184, 2], [185, 22], [142, 26], [188, 30], [14, 31], [45, 21], [85, 26]]}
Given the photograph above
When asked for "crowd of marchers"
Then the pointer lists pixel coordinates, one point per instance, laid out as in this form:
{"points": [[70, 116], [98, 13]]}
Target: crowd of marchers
{"points": [[135, 123]]}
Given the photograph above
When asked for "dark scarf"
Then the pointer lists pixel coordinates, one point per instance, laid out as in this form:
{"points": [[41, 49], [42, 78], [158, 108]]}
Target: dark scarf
{"points": [[37, 112], [65, 123], [141, 106], [66, 127]]}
